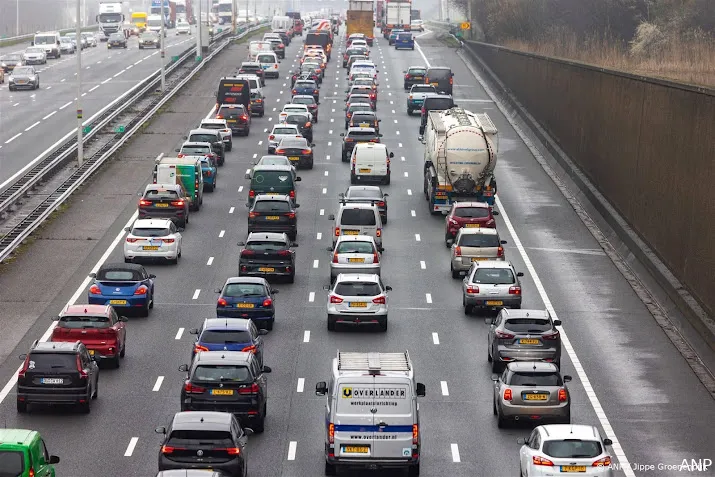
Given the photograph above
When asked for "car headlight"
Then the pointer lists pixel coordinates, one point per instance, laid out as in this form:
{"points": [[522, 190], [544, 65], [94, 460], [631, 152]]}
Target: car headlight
{"points": [[32, 78]]}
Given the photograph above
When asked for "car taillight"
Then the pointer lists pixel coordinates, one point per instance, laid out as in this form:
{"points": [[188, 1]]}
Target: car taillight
{"points": [[502, 335], [132, 239], [507, 394], [94, 290], [177, 203], [280, 152], [276, 66], [169, 240], [500, 252], [379, 300], [290, 215], [415, 434], [252, 389], [259, 101], [170, 449], [306, 151], [473, 290], [198, 347], [554, 335], [378, 233], [458, 251], [537, 460], [25, 366], [267, 302], [452, 221], [407, 76], [142, 290], [222, 302], [181, 154], [253, 215], [209, 173], [31, 472], [271, 137], [422, 110], [144, 202], [373, 96], [219, 116], [291, 194], [563, 396], [331, 433], [515, 290], [247, 253], [284, 253], [315, 91], [605, 462], [249, 349], [426, 79], [192, 388], [244, 117], [451, 81], [335, 257], [347, 139], [295, 91], [82, 373], [307, 125], [335, 299], [375, 257], [251, 194]]}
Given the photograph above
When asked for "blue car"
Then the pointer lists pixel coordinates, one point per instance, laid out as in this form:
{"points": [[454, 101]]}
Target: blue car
{"points": [[247, 297], [393, 35], [404, 40], [124, 286], [229, 334], [209, 171], [307, 88]]}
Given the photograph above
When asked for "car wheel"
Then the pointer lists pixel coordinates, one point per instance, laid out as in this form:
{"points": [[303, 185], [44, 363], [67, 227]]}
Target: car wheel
{"points": [[501, 422], [468, 309], [387, 180], [455, 273], [21, 407], [310, 164], [345, 157], [331, 324], [291, 278], [489, 356], [260, 425], [123, 351], [128, 260], [260, 115], [409, 112], [230, 146], [145, 310], [383, 325], [330, 469], [85, 407], [414, 471], [269, 325], [494, 406], [115, 361], [208, 188], [96, 389], [496, 366], [353, 179]]}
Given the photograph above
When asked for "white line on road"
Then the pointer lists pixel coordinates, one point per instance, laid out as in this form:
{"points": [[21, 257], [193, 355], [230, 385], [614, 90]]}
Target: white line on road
{"points": [[179, 333], [301, 385], [423, 265], [240, 188], [311, 297], [137, 62], [319, 236], [417, 237], [316, 262], [32, 126], [406, 175], [291, 450], [326, 173], [63, 80], [330, 131], [399, 144], [107, 81], [409, 191], [84, 94], [413, 213], [16, 104], [119, 73], [322, 212], [130, 448], [157, 384], [196, 294], [455, 453], [445, 389], [306, 336], [13, 138], [325, 191], [402, 158], [327, 158], [231, 210], [49, 87], [428, 297], [221, 233], [66, 104], [210, 261], [435, 338], [93, 88]]}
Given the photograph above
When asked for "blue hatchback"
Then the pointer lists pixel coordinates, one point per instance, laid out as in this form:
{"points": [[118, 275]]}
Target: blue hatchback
{"points": [[209, 171], [124, 286], [247, 297], [229, 334], [404, 40], [306, 87]]}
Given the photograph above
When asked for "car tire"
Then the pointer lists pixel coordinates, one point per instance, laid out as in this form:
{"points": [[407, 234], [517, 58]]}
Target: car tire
{"points": [[145, 311], [468, 309], [409, 112], [95, 395], [261, 114], [291, 278], [353, 179], [128, 260], [230, 147], [384, 220], [269, 325], [123, 350], [489, 356], [21, 407], [387, 180], [331, 324], [455, 273], [494, 407], [330, 469], [344, 158], [413, 471], [86, 408], [208, 188], [115, 361], [496, 366], [260, 425], [383, 325], [501, 422]]}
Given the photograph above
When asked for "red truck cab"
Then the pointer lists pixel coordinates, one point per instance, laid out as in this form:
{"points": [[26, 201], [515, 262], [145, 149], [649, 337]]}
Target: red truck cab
{"points": [[298, 26]]}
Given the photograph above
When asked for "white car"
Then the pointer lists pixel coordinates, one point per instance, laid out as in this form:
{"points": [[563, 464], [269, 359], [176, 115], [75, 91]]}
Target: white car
{"points": [[91, 39], [272, 160], [280, 132], [357, 299], [222, 126], [357, 43], [153, 239], [417, 25], [355, 254], [557, 449], [183, 28], [34, 55], [293, 108]]}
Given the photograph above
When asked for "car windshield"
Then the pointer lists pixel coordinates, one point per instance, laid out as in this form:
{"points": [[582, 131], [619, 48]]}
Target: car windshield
{"points": [[265, 246], [266, 59], [147, 36], [272, 206], [250, 67], [116, 36], [239, 374], [34, 50], [46, 361], [22, 70], [355, 247], [118, 275], [234, 290], [438, 104], [12, 463], [64, 39], [364, 82], [572, 449], [479, 240], [494, 276], [404, 36], [150, 232], [471, 212], [528, 325], [358, 217], [296, 119], [225, 336], [84, 321], [439, 73], [161, 194], [357, 289], [10, 58], [195, 150], [203, 137], [231, 112], [272, 178], [284, 131], [45, 39], [535, 379], [303, 100], [294, 108]]}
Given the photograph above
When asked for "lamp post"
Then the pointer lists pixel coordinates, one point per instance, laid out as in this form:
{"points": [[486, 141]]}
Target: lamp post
{"points": [[198, 33], [17, 18], [162, 33], [78, 33]]}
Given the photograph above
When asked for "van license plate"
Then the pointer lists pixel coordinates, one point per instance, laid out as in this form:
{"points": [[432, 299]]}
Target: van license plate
{"points": [[528, 341], [52, 380], [150, 247], [222, 392], [365, 171], [351, 232], [573, 468], [476, 259], [356, 449], [266, 269], [161, 205], [117, 302], [495, 303]]}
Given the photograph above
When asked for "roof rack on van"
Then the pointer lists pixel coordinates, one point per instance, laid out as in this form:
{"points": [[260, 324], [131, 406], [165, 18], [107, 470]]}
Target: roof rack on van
{"points": [[374, 362]]}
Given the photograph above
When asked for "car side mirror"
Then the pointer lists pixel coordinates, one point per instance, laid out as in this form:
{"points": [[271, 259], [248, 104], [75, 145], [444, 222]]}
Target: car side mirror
{"points": [[495, 212], [262, 332], [247, 204], [388, 288], [345, 109], [520, 274], [92, 275], [160, 430], [392, 154], [184, 367], [567, 378], [152, 276], [194, 331], [297, 179], [275, 291], [421, 390], [127, 229], [331, 217], [421, 139], [123, 319], [495, 377], [557, 322], [217, 290], [312, 145], [54, 459], [503, 242], [342, 134], [247, 431], [521, 440], [607, 442], [241, 244], [23, 357], [404, 71], [326, 287], [321, 389], [267, 369], [380, 135]]}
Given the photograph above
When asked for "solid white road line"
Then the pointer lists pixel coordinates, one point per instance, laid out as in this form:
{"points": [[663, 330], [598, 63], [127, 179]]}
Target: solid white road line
{"points": [[179, 334], [197, 292], [311, 297], [455, 453], [157, 385], [210, 262], [306, 336], [445, 389], [291, 450], [130, 448], [428, 297], [435, 338], [301, 385]]}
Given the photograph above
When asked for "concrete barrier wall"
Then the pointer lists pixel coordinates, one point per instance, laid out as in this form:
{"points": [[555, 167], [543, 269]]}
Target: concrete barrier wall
{"points": [[647, 145]]}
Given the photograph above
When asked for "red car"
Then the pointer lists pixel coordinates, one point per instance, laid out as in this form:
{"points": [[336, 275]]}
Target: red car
{"points": [[467, 214], [98, 327]]}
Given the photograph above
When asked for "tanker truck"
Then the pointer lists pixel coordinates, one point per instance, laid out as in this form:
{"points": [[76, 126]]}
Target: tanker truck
{"points": [[459, 158]]}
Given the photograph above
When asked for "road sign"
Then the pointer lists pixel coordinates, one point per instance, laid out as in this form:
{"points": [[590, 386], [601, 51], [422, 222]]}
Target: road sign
{"points": [[466, 25]]}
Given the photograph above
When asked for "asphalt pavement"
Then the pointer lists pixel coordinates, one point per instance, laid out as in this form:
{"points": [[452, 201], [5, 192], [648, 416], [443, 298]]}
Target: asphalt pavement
{"points": [[628, 378]]}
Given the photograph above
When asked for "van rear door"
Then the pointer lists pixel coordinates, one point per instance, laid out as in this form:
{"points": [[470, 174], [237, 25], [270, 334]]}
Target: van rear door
{"points": [[393, 420], [353, 420]]}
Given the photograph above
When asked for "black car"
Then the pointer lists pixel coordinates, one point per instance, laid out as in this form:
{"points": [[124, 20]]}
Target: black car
{"points": [[116, 40], [258, 103], [302, 120], [434, 102], [414, 75], [273, 213], [355, 136], [354, 108], [284, 36], [213, 137], [370, 99], [441, 77], [191, 473], [204, 440], [253, 68], [308, 100], [237, 118], [278, 47], [267, 255], [365, 119], [367, 194], [298, 150], [165, 201], [57, 373]]}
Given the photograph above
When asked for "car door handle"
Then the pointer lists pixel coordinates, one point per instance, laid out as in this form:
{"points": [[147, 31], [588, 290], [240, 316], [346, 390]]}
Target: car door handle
{"points": [[382, 424]]}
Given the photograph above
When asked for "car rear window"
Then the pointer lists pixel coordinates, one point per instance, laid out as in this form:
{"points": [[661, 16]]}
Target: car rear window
{"points": [[292, 143], [161, 194], [225, 336], [244, 289], [303, 101], [534, 379], [524, 325], [479, 240], [12, 463], [306, 84], [497, 276], [272, 206], [266, 59], [572, 449], [417, 71], [231, 112], [150, 232], [265, 246], [438, 104], [296, 119], [119, 275], [272, 178], [203, 138], [359, 107], [195, 150], [358, 217], [471, 212], [439, 73], [357, 289], [48, 361], [357, 118], [275, 161], [191, 437], [285, 131], [423, 88], [239, 374], [361, 134], [84, 321], [355, 247], [404, 36]]}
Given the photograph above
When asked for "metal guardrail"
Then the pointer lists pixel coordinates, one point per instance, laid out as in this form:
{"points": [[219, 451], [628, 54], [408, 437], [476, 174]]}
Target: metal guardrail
{"points": [[10, 241]]}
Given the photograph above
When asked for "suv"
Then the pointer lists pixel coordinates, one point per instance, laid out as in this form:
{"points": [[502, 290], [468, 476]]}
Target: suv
{"points": [[267, 254], [237, 334], [57, 373], [491, 285], [472, 245], [213, 137], [253, 68], [367, 194], [357, 219], [357, 299], [441, 77], [434, 102], [365, 119], [470, 215], [273, 213], [165, 201], [237, 118], [523, 335], [303, 121], [208, 440], [221, 126], [23, 453], [258, 103], [355, 136], [414, 75]]}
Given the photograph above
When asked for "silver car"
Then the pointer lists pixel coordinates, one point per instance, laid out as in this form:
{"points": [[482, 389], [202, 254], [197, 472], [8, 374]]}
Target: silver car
{"points": [[523, 335], [34, 55], [90, 38], [357, 299], [531, 390], [67, 45], [491, 285], [354, 254], [472, 245], [367, 194], [24, 77]]}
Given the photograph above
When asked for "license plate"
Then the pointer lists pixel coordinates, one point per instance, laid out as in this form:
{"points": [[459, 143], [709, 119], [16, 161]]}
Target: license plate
{"points": [[91, 352], [472, 226], [495, 303], [535, 397], [51, 380], [294, 158], [476, 259], [222, 392], [231, 121], [528, 341], [266, 269], [356, 260], [351, 232], [358, 304], [356, 449], [117, 302], [245, 305], [419, 77], [364, 171], [161, 205], [272, 217], [364, 125], [573, 468], [271, 193], [434, 84], [150, 247]]}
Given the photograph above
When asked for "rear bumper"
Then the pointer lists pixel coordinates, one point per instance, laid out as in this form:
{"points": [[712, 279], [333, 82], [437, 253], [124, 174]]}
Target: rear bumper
{"points": [[357, 319], [172, 214], [167, 254], [288, 229], [131, 302], [372, 464], [462, 265], [53, 398], [508, 355], [479, 301], [246, 314], [232, 467], [535, 413], [415, 104]]}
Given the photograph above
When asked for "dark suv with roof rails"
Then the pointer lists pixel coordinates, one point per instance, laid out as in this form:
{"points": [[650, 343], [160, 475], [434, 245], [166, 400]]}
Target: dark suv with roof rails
{"points": [[441, 77], [434, 102], [57, 373]]}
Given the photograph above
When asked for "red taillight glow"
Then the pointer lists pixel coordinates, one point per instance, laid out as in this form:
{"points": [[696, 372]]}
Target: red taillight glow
{"points": [[31, 472], [508, 395], [537, 460], [253, 215], [563, 395], [290, 215], [295, 91], [379, 300], [94, 290], [335, 257], [407, 76], [502, 335], [271, 137], [306, 151], [222, 302], [192, 388], [308, 124], [198, 348], [378, 233], [249, 349], [335, 299], [252, 389], [415, 434], [82, 373], [515, 290], [551, 336], [247, 253], [458, 251], [473, 290], [170, 449], [500, 252], [280, 152], [267, 302], [331, 433], [291, 194], [232, 451], [244, 117], [251, 194], [605, 462], [177, 203], [284, 253], [132, 239], [375, 257], [142, 290], [144, 203], [25, 365]]}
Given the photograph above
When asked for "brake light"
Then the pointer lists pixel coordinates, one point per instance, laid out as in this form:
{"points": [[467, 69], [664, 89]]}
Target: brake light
{"points": [[219, 116], [458, 251], [375, 257], [251, 194], [181, 154], [502, 335], [25, 365], [284, 253], [249, 349], [500, 252], [259, 101], [507, 395], [515, 290], [290, 215], [347, 139], [473, 290], [209, 173], [315, 91], [192, 388], [253, 215], [538, 460], [605, 462], [379, 300], [295, 91], [551, 336], [82, 373], [177, 203], [426, 79], [280, 151], [415, 434], [144, 203], [132, 239], [306, 151], [142, 290], [252, 389], [291, 194], [451, 81], [407, 76], [31, 472], [170, 449], [271, 137], [244, 117], [373, 96], [563, 396], [232, 451], [331, 433], [198, 347], [335, 299], [267, 302], [422, 110], [247, 253], [168, 240], [94, 290], [222, 302], [378, 233], [307, 125]]}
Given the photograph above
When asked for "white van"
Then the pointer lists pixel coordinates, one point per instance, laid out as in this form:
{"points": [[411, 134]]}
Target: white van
{"points": [[370, 162], [269, 63], [357, 218], [371, 413], [256, 47], [281, 23], [50, 42]]}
